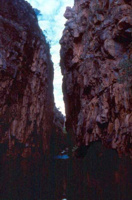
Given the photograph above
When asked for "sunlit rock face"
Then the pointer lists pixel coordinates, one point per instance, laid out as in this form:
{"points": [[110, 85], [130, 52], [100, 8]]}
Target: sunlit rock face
{"points": [[26, 77], [95, 46]]}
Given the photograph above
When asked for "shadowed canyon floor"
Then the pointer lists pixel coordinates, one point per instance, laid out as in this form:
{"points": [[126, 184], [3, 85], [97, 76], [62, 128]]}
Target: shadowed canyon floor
{"points": [[101, 175]]}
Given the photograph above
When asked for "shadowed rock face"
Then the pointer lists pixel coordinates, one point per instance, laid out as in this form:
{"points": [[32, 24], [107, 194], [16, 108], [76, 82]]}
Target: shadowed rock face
{"points": [[59, 136], [95, 46], [26, 77]]}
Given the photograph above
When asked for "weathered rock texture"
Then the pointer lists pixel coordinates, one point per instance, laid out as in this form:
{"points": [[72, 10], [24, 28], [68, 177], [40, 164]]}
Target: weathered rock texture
{"points": [[96, 43], [59, 136], [26, 77]]}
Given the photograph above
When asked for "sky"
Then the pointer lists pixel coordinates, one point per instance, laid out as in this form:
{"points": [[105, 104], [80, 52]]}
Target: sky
{"points": [[52, 22]]}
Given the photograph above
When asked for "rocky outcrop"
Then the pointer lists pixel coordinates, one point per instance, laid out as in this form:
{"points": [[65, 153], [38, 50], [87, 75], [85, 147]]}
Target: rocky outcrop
{"points": [[26, 77], [96, 53]]}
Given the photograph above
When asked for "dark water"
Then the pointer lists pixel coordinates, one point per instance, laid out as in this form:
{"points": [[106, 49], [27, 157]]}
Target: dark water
{"points": [[99, 176]]}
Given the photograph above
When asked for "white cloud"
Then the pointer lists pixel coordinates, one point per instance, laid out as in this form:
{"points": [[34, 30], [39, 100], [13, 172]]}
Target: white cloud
{"points": [[52, 21]]}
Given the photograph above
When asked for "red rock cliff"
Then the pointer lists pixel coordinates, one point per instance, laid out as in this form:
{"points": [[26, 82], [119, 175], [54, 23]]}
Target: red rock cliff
{"points": [[96, 52], [26, 77]]}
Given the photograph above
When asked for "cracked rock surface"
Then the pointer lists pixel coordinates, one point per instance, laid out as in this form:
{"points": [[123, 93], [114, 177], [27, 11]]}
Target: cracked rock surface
{"points": [[96, 43], [26, 77]]}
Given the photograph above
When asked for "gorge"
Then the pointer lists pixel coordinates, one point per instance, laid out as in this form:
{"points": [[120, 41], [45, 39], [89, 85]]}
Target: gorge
{"points": [[96, 64]]}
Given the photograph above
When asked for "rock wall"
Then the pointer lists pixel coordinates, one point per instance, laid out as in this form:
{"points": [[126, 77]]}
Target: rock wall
{"points": [[59, 136], [26, 78], [96, 62]]}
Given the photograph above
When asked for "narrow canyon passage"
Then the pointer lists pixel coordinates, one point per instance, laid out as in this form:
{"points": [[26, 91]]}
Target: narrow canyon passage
{"points": [[86, 155], [51, 21]]}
